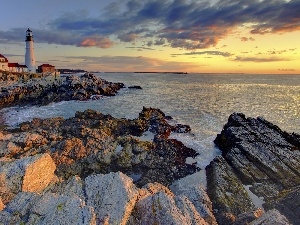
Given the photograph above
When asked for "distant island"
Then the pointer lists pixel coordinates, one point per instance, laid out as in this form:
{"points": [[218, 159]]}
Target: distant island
{"points": [[71, 71], [165, 72]]}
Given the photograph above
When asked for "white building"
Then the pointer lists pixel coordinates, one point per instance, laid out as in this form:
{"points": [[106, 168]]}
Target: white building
{"points": [[11, 67], [3, 63], [29, 55]]}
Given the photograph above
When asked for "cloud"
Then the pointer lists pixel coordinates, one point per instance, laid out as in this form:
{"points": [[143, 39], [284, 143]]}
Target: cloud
{"points": [[141, 48], [128, 37], [99, 42], [260, 59], [217, 53], [181, 24], [160, 41], [247, 39]]}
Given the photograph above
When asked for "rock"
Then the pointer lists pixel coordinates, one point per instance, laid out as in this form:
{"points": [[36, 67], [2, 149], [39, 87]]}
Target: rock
{"points": [[226, 191], [113, 197], [73, 187], [105, 199], [42, 92], [30, 174], [264, 158], [270, 218], [2, 206], [196, 193], [31, 208], [135, 87], [18, 208], [59, 209], [287, 203], [248, 217], [161, 208], [92, 142]]}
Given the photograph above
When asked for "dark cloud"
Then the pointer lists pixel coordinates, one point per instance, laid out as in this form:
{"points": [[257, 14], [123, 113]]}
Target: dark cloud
{"points": [[260, 59], [182, 24], [225, 54], [247, 39], [129, 37], [160, 41], [141, 48]]}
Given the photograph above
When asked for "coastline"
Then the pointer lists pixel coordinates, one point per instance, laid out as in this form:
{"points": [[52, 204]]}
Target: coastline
{"points": [[37, 141]]}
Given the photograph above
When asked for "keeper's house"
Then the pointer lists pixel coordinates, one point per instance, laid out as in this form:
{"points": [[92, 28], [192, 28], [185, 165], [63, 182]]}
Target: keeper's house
{"points": [[11, 67], [46, 68]]}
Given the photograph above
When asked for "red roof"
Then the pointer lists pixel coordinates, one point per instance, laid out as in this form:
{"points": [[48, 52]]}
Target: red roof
{"points": [[2, 56], [13, 64], [46, 65], [16, 65]]}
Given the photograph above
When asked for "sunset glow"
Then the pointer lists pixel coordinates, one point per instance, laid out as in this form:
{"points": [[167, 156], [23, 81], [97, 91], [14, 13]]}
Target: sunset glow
{"points": [[226, 36]]}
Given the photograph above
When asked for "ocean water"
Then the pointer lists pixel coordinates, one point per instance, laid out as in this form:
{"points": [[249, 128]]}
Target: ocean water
{"points": [[203, 101]]}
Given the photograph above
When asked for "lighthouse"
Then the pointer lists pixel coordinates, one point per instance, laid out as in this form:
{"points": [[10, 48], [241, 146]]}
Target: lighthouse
{"points": [[29, 55]]}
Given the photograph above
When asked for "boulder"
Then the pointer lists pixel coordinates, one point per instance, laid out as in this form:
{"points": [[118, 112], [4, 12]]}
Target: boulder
{"points": [[113, 197], [30, 174], [32, 208], [196, 193], [162, 208], [270, 218], [226, 192], [264, 159]]}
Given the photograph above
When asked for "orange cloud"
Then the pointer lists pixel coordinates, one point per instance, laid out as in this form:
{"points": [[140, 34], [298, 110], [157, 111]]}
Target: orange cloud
{"points": [[100, 42]]}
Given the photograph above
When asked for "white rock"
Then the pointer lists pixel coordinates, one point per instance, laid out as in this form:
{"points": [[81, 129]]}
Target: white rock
{"points": [[113, 197], [54, 209], [30, 174], [161, 208], [72, 187], [51, 209], [196, 193]]}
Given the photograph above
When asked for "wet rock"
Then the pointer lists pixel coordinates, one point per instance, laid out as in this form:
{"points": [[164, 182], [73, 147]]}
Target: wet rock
{"points": [[264, 158], [287, 203], [31, 174], [248, 217], [113, 197], [226, 191], [270, 218], [92, 142]]}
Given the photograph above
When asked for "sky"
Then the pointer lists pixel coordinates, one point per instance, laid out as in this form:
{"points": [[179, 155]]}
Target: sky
{"points": [[194, 36]]}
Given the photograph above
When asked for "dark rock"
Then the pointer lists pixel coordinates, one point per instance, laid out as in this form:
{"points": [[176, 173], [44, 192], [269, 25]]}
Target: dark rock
{"points": [[287, 204], [262, 156], [135, 87], [226, 192], [92, 142], [41, 92]]}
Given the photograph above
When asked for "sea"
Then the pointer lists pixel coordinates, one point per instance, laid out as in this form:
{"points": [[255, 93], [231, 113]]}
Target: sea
{"points": [[203, 101]]}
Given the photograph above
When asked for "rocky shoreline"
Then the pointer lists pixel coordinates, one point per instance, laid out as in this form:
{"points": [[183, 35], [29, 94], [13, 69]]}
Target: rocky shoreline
{"points": [[16, 90], [97, 169]]}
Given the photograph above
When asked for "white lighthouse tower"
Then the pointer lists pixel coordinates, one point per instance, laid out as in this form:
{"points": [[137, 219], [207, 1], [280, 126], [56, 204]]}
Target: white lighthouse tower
{"points": [[29, 55]]}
